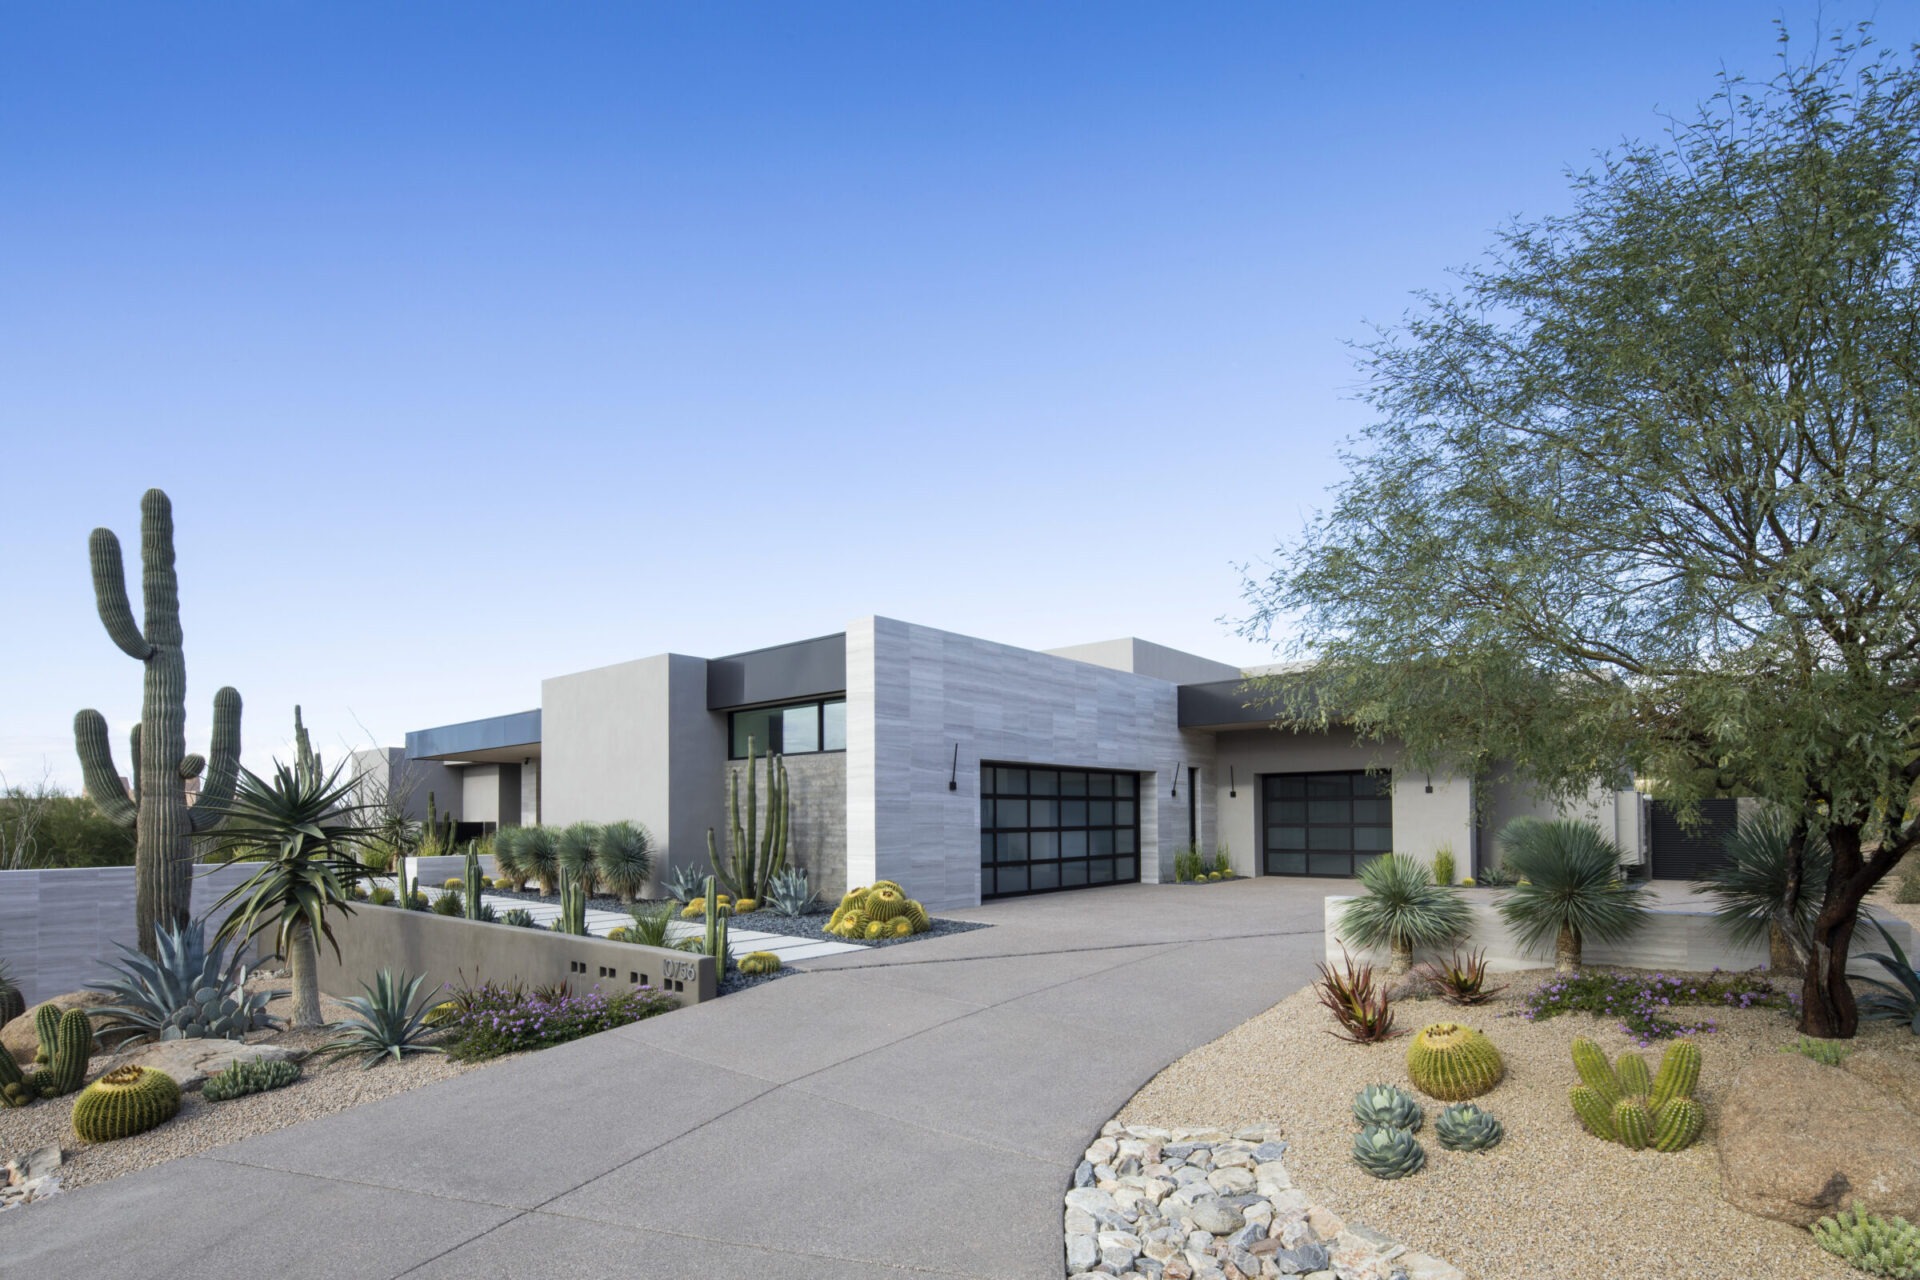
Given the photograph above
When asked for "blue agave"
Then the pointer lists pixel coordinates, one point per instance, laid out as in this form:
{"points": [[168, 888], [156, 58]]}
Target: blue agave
{"points": [[190, 991]]}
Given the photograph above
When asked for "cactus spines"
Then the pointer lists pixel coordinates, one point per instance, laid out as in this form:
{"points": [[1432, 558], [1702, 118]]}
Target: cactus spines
{"points": [[1465, 1127], [1632, 1124], [1676, 1123], [1679, 1073], [759, 962], [1596, 1073], [163, 823], [885, 903], [1631, 1070], [67, 1065], [1452, 1062], [1384, 1106], [1595, 1112], [15, 1090], [474, 883], [573, 905], [1387, 1152], [46, 1028], [714, 942], [125, 1101]]}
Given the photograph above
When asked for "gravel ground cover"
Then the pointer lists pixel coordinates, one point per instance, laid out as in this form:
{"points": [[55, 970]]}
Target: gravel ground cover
{"points": [[323, 1088], [1551, 1202]]}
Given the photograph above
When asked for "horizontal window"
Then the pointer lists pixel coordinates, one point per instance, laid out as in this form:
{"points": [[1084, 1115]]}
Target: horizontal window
{"points": [[798, 729]]}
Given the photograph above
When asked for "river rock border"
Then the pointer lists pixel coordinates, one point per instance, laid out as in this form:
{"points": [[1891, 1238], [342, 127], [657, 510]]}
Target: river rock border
{"points": [[1209, 1204]]}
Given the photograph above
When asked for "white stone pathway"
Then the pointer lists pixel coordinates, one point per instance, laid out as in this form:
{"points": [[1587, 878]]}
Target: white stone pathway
{"points": [[601, 923]]}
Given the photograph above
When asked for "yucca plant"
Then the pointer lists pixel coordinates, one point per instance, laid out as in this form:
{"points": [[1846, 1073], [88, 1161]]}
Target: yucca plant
{"points": [[1462, 981], [652, 927], [574, 852], [539, 849], [303, 828], [389, 1021], [1361, 1007], [507, 858], [1756, 896], [186, 991], [1403, 908], [1570, 889], [624, 858]]}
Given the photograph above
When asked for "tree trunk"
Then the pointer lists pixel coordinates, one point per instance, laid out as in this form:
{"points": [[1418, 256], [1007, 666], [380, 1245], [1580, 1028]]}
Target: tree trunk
{"points": [[1402, 959], [1827, 1007], [1782, 957], [303, 959], [1566, 952]]}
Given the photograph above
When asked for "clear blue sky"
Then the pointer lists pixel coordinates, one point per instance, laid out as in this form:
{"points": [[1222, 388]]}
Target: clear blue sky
{"points": [[478, 343]]}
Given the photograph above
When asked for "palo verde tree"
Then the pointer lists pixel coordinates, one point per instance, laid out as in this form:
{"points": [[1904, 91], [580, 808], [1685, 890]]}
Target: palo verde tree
{"points": [[1643, 492]]}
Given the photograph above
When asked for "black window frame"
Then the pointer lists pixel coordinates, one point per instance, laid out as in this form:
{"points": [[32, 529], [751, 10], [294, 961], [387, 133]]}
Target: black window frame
{"points": [[775, 727], [1382, 779], [1081, 866]]}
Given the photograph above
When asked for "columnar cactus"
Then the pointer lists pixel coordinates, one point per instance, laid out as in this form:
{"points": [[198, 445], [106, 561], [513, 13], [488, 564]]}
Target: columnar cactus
{"points": [[573, 905], [15, 1089], [125, 1101], [164, 824], [474, 883], [1620, 1103], [67, 1062], [754, 857], [715, 941]]}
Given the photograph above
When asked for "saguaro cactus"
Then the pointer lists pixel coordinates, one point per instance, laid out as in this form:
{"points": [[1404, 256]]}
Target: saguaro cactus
{"points": [[163, 823]]}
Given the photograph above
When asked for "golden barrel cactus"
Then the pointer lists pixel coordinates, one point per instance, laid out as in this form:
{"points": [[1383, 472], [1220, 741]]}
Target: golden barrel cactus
{"points": [[1453, 1062]]}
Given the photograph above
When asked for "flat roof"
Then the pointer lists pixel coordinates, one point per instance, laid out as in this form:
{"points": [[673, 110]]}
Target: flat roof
{"points": [[470, 738]]}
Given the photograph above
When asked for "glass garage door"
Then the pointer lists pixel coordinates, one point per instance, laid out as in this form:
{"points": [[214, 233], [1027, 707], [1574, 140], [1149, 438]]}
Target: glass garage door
{"points": [[1048, 829], [1325, 824]]}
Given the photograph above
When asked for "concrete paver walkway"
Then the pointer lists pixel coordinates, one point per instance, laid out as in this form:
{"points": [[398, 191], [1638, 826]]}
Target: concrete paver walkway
{"points": [[896, 1112]]}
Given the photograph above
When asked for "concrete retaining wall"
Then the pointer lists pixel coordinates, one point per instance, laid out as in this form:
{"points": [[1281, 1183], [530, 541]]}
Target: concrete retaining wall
{"points": [[58, 926], [1677, 938], [449, 950]]}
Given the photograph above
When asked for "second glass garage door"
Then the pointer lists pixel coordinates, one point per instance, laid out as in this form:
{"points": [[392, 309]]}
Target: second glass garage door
{"points": [[1325, 824], [1044, 829]]}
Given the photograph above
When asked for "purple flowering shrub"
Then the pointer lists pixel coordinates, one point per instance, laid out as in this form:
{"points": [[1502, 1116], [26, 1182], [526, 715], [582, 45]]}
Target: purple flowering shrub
{"points": [[1645, 1002], [489, 1021]]}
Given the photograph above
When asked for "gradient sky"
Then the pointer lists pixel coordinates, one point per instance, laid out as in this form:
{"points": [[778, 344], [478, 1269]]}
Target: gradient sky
{"points": [[479, 343]]}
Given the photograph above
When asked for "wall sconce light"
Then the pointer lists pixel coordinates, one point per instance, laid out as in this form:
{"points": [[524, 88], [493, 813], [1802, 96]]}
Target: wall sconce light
{"points": [[1176, 780], [953, 779], [1429, 784], [1230, 784]]}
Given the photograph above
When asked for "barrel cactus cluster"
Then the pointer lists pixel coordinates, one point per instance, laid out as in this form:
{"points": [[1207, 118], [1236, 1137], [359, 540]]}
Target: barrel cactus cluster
{"points": [[66, 1046], [1623, 1102], [125, 1101], [1452, 1062], [879, 910], [758, 963]]}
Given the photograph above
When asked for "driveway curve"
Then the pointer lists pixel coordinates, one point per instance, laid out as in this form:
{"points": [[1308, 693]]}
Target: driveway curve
{"points": [[909, 1111]]}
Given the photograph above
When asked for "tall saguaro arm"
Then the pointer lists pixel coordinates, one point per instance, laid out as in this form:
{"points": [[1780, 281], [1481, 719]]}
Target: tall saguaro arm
{"points": [[164, 824]]}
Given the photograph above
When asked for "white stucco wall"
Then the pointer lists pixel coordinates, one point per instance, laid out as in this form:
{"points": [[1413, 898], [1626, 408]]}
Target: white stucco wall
{"points": [[1422, 821], [915, 693]]}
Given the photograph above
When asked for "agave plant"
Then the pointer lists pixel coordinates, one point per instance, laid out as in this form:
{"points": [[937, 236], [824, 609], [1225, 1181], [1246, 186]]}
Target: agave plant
{"points": [[684, 884], [1570, 888], [186, 991], [389, 1021], [624, 858], [1756, 895], [519, 918], [1362, 1008], [1896, 1001], [789, 894], [652, 927], [1461, 981], [1403, 908]]}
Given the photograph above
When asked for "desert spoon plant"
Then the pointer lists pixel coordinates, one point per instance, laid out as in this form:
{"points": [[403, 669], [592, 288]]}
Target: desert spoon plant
{"points": [[164, 825], [1403, 908]]}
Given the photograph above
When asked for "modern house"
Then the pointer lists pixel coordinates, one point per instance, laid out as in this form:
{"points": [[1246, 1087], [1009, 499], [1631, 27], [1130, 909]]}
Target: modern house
{"points": [[966, 769]]}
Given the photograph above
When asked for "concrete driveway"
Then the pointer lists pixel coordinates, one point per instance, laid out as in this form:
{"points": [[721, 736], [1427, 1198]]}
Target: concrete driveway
{"points": [[910, 1110]]}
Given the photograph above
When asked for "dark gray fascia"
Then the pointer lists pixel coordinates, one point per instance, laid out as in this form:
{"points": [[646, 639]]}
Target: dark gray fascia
{"points": [[519, 729], [1220, 703], [783, 673]]}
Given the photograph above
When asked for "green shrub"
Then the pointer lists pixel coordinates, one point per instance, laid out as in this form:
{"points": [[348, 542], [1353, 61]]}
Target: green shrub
{"points": [[381, 897], [1443, 868], [1828, 1053], [1188, 864], [254, 1075]]}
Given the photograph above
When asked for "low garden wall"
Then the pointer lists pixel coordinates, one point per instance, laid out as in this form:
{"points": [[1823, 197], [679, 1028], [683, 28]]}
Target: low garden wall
{"points": [[1678, 938], [58, 925], [436, 871], [452, 950]]}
